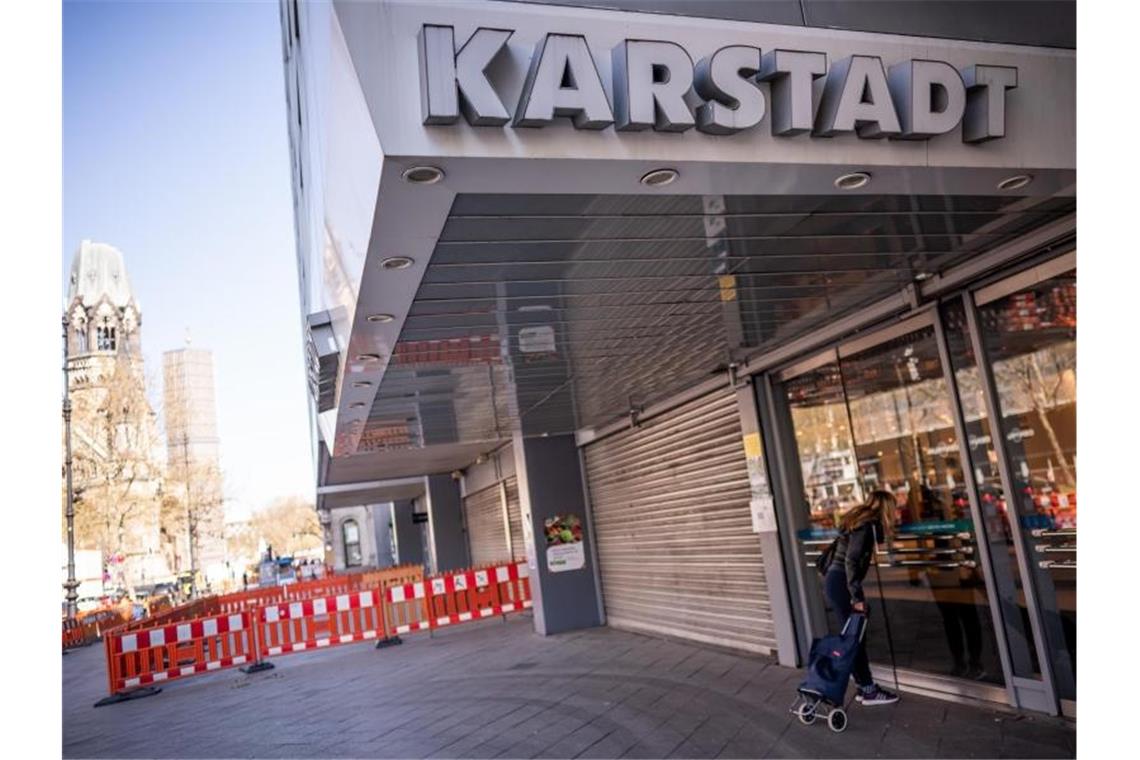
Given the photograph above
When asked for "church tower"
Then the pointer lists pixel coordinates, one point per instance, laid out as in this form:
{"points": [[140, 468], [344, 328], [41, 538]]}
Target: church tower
{"points": [[114, 430]]}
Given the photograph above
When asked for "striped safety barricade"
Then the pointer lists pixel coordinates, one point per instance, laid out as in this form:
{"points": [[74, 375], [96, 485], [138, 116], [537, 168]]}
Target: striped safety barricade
{"points": [[406, 608], [153, 655], [513, 583], [474, 594], [321, 622], [245, 628], [75, 634]]}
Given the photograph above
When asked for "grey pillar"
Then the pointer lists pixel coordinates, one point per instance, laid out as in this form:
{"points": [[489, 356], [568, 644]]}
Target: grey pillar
{"points": [[445, 518], [382, 525], [409, 541], [566, 597], [766, 524]]}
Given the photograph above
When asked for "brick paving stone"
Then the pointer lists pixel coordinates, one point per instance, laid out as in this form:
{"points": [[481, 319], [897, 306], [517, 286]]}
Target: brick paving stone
{"points": [[494, 689]]}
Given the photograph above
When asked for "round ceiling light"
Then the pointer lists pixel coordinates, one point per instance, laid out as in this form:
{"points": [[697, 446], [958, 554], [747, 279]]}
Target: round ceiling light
{"points": [[920, 276], [1016, 182], [362, 384], [356, 405], [367, 357], [381, 318], [659, 177], [852, 180], [422, 175], [397, 262]]}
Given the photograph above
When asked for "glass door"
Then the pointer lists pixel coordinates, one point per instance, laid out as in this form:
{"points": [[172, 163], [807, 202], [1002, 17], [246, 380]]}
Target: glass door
{"points": [[934, 596], [1029, 339], [878, 416]]}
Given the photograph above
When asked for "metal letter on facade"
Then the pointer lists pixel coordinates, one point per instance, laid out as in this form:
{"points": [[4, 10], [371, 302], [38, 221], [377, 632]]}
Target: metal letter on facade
{"points": [[856, 98], [563, 81], [451, 81], [930, 97], [727, 80], [651, 81], [985, 101], [790, 74]]}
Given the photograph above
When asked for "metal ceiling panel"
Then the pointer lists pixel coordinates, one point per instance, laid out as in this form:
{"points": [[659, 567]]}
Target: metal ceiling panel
{"points": [[550, 313]]}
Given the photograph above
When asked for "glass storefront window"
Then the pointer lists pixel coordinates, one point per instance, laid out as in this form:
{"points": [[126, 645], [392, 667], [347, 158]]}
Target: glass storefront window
{"points": [[991, 496], [881, 419], [1030, 342], [932, 587], [823, 441]]}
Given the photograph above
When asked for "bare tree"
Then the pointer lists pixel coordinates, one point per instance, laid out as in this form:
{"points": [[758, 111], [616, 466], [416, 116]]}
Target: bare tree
{"points": [[289, 525], [1041, 381], [115, 439]]}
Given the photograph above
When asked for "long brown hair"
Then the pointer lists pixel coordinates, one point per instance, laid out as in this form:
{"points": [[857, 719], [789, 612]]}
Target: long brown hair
{"points": [[878, 507]]}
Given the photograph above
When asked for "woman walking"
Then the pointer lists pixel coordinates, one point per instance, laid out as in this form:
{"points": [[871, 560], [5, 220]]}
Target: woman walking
{"points": [[843, 584]]}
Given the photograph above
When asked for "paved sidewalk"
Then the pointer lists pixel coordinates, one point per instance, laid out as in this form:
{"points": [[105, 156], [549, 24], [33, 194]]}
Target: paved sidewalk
{"points": [[495, 689]]}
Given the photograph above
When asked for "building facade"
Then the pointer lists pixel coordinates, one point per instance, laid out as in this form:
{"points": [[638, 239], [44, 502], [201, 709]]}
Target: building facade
{"points": [[117, 462], [193, 459], [652, 298]]}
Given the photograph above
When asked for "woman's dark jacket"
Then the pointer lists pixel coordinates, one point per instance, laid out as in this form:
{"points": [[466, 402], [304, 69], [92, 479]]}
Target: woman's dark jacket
{"points": [[853, 554]]}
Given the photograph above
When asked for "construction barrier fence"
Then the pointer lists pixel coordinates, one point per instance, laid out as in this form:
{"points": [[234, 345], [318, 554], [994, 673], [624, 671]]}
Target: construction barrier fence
{"points": [[249, 627]]}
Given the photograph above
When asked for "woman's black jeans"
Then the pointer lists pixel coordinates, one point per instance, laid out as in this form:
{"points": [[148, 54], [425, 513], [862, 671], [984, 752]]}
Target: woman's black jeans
{"points": [[835, 588]]}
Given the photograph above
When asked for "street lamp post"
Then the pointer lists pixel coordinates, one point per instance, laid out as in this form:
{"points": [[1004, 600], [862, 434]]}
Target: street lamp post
{"points": [[72, 584], [191, 520]]}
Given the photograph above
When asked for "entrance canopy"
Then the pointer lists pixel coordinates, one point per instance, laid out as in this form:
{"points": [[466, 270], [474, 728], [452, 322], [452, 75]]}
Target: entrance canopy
{"points": [[489, 276]]}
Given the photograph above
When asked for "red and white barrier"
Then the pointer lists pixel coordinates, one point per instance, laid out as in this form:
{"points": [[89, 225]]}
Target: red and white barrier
{"points": [[322, 622], [148, 656], [180, 648]]}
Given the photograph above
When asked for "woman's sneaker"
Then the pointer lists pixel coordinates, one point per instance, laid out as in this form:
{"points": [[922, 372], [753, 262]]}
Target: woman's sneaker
{"points": [[876, 695]]}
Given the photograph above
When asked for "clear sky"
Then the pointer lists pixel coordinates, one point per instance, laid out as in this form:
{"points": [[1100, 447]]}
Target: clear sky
{"points": [[176, 152]]}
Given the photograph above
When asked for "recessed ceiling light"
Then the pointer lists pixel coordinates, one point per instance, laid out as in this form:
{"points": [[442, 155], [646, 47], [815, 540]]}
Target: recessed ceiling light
{"points": [[381, 318], [397, 262], [920, 276], [1016, 182], [362, 384], [659, 177], [356, 405], [422, 175], [852, 180], [367, 357]]}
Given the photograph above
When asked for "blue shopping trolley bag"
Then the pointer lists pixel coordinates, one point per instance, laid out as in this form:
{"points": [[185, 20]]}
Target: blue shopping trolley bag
{"points": [[831, 661]]}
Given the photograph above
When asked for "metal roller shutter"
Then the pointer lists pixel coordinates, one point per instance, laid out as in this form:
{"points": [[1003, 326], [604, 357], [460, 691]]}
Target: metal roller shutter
{"points": [[486, 531], [514, 514], [674, 536]]}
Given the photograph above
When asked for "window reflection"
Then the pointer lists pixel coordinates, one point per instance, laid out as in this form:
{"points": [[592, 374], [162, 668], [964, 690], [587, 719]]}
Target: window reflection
{"points": [[882, 419], [1030, 340]]}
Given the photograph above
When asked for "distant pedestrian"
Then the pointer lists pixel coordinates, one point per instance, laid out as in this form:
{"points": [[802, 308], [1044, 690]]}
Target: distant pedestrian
{"points": [[244, 581]]}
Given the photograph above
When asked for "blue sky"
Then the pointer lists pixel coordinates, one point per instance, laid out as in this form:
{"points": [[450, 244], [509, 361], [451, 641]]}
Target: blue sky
{"points": [[175, 152]]}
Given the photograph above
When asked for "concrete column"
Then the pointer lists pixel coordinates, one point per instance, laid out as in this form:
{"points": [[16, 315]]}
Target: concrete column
{"points": [[550, 483], [445, 518], [766, 524], [409, 542]]}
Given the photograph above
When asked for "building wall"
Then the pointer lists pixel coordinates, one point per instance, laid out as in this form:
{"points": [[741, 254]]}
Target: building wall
{"points": [[374, 524]]}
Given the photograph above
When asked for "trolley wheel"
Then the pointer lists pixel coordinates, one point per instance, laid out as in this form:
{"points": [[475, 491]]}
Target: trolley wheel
{"points": [[837, 720], [806, 713]]}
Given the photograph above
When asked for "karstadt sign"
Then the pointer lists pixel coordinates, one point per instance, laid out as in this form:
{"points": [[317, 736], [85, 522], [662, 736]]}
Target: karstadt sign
{"points": [[654, 83]]}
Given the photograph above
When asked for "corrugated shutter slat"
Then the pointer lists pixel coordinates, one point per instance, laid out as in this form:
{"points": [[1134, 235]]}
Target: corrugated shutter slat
{"points": [[514, 513], [486, 531], [675, 545]]}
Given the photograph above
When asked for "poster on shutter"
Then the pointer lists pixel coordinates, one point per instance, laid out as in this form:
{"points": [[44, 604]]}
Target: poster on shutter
{"points": [[564, 549], [761, 504], [763, 515], [537, 340]]}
